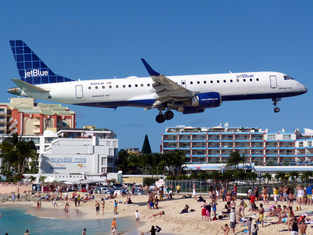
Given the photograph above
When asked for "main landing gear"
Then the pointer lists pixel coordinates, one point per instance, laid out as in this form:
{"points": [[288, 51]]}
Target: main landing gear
{"points": [[275, 101], [168, 115]]}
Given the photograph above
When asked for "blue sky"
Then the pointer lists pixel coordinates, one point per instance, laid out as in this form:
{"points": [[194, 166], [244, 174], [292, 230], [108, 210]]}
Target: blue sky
{"points": [[106, 39]]}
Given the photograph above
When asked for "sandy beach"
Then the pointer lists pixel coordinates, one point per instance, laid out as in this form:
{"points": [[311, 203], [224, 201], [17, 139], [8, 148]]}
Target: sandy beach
{"points": [[172, 222]]}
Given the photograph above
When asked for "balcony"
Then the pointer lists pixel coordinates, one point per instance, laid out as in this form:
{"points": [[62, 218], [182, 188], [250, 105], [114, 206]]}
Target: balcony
{"points": [[13, 125]]}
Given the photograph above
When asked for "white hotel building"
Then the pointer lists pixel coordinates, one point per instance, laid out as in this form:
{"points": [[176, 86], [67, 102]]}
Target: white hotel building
{"points": [[75, 153]]}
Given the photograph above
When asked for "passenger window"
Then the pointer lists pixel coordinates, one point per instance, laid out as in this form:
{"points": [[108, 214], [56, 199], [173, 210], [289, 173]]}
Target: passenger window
{"points": [[231, 80], [237, 79], [110, 86], [89, 87], [191, 83], [218, 81], [244, 80], [224, 81], [183, 83], [136, 85], [257, 79], [204, 82], [250, 79], [198, 82], [96, 87], [211, 81], [103, 87], [148, 84], [141, 85], [116, 86], [124, 86], [129, 85]]}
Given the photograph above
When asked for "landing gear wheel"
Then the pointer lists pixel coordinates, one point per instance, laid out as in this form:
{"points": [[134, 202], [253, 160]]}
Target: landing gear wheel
{"points": [[160, 118], [168, 115], [276, 109]]}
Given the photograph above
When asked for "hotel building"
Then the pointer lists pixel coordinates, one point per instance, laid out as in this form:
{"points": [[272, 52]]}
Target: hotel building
{"points": [[215, 144]]}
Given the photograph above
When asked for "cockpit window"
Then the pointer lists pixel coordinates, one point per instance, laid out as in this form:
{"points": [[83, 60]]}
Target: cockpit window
{"points": [[287, 78]]}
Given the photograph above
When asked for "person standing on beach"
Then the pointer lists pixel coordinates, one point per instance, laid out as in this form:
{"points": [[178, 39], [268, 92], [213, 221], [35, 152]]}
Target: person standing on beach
{"points": [[113, 227], [232, 218], [66, 208], [97, 205], [115, 207], [54, 201], [137, 216], [178, 189], [102, 205], [261, 214], [84, 232], [194, 191]]}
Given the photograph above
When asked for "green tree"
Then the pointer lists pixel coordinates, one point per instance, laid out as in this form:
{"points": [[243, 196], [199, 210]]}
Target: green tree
{"points": [[146, 149], [178, 160], [294, 175], [26, 151], [239, 175], [280, 176], [234, 159], [123, 161], [267, 176], [306, 175], [251, 175]]}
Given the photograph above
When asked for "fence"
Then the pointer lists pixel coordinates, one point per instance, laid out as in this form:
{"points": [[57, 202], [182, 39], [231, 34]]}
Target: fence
{"points": [[203, 187]]}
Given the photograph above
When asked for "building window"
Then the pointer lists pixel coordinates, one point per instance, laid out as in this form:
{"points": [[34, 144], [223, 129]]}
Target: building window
{"points": [[300, 144], [309, 143], [103, 161], [286, 137], [271, 137]]}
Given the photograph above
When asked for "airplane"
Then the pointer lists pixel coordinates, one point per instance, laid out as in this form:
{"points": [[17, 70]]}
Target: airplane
{"points": [[185, 93]]}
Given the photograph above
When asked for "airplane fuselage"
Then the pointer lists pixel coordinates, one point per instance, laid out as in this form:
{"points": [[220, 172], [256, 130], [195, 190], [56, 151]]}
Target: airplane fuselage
{"points": [[138, 92]]}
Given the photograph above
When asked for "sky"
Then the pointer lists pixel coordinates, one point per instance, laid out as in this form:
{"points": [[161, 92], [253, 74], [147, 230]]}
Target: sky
{"points": [[106, 39]]}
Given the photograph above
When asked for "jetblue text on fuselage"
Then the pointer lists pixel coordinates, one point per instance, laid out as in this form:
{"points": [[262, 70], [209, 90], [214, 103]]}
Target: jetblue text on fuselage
{"points": [[36, 73], [244, 75]]}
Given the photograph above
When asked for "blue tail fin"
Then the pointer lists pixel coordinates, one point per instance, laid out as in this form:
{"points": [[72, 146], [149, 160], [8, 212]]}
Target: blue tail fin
{"points": [[31, 69]]}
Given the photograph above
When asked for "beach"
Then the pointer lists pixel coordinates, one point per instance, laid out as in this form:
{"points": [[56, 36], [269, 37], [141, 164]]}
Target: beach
{"points": [[172, 222]]}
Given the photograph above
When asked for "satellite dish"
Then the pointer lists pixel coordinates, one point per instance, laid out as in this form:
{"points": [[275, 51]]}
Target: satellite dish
{"points": [[226, 125]]}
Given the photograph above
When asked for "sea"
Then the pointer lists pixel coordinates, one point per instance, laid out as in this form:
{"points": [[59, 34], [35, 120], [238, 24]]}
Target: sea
{"points": [[15, 221]]}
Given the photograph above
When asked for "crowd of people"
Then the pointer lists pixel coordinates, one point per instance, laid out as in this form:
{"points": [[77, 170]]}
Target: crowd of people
{"points": [[255, 215]]}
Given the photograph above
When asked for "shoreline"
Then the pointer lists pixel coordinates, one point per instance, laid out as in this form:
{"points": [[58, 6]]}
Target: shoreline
{"points": [[172, 222]]}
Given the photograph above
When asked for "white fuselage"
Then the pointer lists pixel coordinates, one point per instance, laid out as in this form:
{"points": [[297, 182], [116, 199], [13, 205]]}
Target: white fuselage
{"points": [[138, 92]]}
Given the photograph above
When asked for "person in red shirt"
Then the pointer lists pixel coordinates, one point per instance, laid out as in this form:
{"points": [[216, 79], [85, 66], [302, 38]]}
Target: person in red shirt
{"points": [[252, 202]]}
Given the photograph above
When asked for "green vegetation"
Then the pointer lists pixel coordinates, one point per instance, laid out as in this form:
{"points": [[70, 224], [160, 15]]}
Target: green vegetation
{"points": [[16, 154]]}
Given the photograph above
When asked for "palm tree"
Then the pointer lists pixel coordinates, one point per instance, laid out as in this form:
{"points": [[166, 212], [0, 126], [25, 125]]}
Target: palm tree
{"points": [[280, 175], [306, 175], [179, 159], [26, 151], [123, 161], [234, 159], [152, 161], [267, 176], [294, 175]]}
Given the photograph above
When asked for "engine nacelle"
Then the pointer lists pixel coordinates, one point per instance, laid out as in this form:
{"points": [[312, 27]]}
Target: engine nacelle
{"points": [[206, 100]]}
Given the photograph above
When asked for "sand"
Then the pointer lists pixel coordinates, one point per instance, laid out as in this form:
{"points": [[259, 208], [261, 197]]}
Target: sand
{"points": [[171, 223]]}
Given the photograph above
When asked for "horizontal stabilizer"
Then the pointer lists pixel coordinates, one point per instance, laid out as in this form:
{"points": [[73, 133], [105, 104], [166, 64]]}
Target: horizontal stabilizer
{"points": [[26, 87]]}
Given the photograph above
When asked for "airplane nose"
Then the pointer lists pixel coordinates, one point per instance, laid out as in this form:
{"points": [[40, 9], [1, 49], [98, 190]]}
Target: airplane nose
{"points": [[305, 90]]}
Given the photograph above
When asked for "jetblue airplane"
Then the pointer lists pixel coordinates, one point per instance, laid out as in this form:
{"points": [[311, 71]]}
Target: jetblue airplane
{"points": [[184, 93]]}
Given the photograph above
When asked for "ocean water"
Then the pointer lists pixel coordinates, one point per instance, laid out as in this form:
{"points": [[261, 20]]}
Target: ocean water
{"points": [[16, 220]]}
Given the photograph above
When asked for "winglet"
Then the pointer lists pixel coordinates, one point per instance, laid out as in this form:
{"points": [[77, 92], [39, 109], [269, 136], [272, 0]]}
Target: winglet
{"points": [[150, 70]]}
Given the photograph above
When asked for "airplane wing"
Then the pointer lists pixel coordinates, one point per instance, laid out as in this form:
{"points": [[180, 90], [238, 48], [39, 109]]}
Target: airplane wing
{"points": [[27, 87], [166, 90]]}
